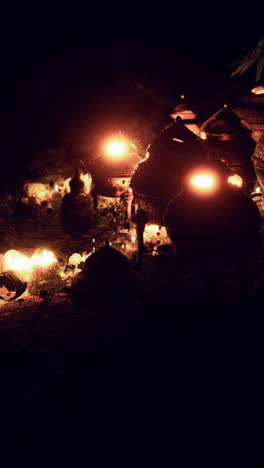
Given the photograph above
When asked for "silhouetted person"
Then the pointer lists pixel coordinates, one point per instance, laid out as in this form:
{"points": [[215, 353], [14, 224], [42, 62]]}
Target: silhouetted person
{"points": [[213, 227], [77, 210]]}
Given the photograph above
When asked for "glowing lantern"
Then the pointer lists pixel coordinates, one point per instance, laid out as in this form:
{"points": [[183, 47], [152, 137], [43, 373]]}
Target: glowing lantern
{"points": [[115, 149], [15, 260], [211, 177], [235, 180], [113, 170], [111, 175], [256, 195], [203, 181], [45, 277], [258, 90], [154, 234], [43, 258]]}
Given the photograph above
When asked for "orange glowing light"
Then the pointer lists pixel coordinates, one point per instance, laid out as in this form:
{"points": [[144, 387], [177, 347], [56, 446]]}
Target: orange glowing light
{"points": [[154, 233], [43, 258], [258, 90], [257, 190], [178, 140], [235, 180], [203, 135], [15, 260], [40, 192], [203, 181], [115, 149], [75, 259]]}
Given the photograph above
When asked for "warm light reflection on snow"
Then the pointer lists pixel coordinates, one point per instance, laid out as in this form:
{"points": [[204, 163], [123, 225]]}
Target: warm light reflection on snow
{"points": [[17, 261]]}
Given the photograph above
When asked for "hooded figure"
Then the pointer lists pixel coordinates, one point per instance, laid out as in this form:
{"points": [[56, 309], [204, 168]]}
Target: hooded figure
{"points": [[212, 220]]}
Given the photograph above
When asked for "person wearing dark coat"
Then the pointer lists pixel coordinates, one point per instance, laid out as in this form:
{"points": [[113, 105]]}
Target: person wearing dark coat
{"points": [[213, 226]]}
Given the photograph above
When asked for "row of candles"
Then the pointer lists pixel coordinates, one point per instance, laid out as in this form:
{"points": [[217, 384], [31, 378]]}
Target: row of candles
{"points": [[43, 266]]}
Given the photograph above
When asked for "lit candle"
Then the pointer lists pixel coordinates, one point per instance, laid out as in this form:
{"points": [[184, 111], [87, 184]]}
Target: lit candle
{"points": [[256, 192]]}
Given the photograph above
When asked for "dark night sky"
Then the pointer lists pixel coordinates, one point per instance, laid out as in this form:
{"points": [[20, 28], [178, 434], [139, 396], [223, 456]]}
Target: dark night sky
{"points": [[63, 72]]}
